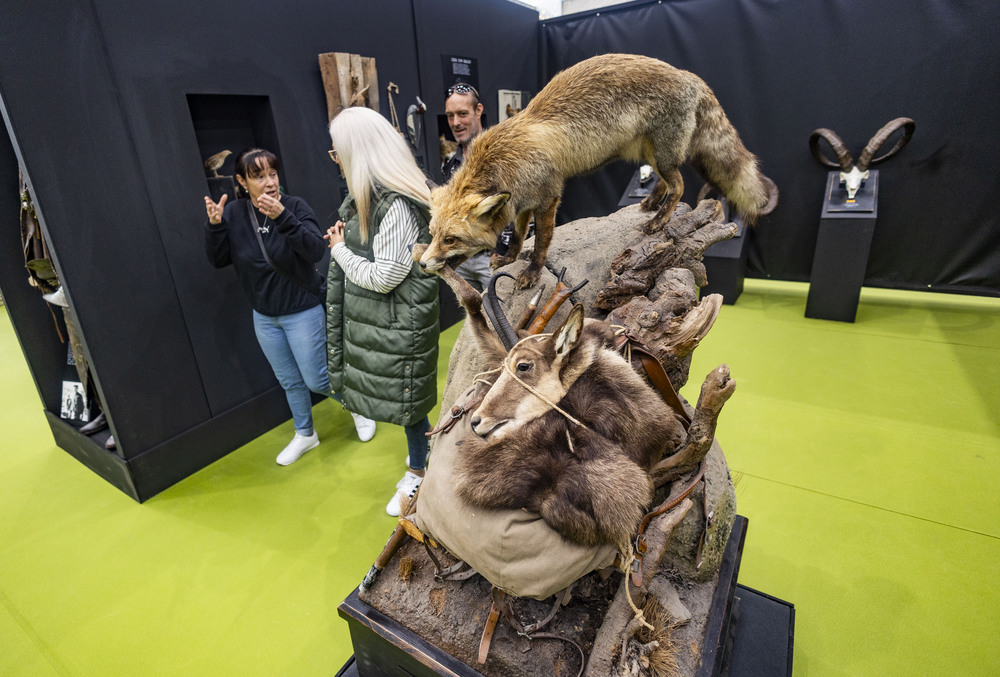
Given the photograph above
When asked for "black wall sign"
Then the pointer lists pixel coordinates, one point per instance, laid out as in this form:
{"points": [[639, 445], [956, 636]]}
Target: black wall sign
{"points": [[459, 69]]}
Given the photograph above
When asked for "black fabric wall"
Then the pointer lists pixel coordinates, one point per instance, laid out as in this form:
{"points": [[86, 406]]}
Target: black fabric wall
{"points": [[96, 98], [503, 38], [782, 69]]}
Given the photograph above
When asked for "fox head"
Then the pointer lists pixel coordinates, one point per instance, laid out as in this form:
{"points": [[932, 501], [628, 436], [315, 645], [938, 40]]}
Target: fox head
{"points": [[463, 223], [548, 364]]}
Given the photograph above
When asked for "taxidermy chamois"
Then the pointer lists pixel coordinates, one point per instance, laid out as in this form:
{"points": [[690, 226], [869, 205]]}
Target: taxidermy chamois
{"points": [[615, 106], [584, 467]]}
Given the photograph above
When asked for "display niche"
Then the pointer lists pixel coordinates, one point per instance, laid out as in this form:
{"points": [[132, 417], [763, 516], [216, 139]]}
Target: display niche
{"points": [[225, 125]]}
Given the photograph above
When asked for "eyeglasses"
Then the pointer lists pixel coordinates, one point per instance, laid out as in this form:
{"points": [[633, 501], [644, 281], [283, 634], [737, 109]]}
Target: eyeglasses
{"points": [[333, 154], [463, 88]]}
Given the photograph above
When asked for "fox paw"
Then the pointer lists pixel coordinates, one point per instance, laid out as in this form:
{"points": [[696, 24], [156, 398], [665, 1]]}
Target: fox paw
{"points": [[528, 277], [497, 261], [654, 225]]}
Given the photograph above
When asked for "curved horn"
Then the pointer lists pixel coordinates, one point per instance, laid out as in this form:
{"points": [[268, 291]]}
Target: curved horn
{"points": [[772, 196], [881, 136], [508, 337], [844, 159]]}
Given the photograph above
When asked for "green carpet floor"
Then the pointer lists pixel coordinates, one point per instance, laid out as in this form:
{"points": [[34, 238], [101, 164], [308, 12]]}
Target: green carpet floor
{"points": [[867, 459]]}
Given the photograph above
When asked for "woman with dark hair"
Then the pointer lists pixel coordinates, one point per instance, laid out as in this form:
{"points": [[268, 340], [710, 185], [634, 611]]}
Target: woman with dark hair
{"points": [[274, 243], [382, 311]]}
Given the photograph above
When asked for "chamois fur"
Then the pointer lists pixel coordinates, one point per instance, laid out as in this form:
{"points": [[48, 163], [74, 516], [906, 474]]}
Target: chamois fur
{"points": [[615, 106], [590, 483]]}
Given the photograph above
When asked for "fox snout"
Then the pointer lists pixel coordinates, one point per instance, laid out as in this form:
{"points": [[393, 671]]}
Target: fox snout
{"points": [[428, 264], [436, 256]]}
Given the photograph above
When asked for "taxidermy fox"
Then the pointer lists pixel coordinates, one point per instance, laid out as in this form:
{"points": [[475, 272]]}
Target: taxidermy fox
{"points": [[605, 108]]}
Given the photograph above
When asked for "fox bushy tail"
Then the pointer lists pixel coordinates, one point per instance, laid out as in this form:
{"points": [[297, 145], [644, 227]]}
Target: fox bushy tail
{"points": [[719, 155]]}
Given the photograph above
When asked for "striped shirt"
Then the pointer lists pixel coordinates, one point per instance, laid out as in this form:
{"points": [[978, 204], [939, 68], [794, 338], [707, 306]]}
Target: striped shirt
{"points": [[391, 248]]}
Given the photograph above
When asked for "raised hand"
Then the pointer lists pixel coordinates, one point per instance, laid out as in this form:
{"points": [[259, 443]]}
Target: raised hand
{"points": [[270, 206], [214, 209]]}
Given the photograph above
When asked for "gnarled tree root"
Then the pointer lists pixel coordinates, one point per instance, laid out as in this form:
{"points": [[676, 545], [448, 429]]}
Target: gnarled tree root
{"points": [[681, 244], [715, 392]]}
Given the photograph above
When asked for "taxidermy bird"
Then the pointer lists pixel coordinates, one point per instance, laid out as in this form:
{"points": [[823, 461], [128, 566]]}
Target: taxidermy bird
{"points": [[359, 97], [214, 163]]}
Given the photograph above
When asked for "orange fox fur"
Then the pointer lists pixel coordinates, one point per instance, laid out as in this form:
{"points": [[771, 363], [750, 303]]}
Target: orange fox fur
{"points": [[615, 106]]}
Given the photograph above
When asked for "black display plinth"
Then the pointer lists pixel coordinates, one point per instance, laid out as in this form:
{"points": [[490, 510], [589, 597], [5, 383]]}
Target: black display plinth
{"points": [[636, 189], [763, 642], [221, 185], [841, 257], [382, 646], [726, 265]]}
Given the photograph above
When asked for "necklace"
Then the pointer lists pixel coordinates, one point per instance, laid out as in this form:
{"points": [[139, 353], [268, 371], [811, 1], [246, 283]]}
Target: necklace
{"points": [[261, 227]]}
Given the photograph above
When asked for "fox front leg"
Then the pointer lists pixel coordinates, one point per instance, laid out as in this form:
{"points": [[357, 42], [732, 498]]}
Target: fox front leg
{"points": [[545, 224]]}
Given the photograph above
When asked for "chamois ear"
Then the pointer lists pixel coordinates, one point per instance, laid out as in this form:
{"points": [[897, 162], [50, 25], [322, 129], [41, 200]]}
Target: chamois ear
{"points": [[568, 336], [489, 207]]}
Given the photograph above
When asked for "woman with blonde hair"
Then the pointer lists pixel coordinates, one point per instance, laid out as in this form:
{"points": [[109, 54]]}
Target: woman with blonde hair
{"points": [[382, 311]]}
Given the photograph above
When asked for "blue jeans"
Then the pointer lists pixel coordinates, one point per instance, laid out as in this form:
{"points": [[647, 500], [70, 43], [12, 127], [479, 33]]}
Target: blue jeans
{"points": [[295, 345], [417, 443]]}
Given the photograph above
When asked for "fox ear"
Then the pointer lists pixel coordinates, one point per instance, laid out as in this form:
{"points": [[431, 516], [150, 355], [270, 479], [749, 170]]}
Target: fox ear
{"points": [[489, 207], [568, 336]]}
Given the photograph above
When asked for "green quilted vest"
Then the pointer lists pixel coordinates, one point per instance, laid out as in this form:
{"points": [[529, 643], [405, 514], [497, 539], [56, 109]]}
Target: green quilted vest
{"points": [[382, 349]]}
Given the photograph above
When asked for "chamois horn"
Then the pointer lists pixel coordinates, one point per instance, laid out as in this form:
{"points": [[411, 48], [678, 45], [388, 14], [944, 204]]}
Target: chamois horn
{"points": [[881, 136], [844, 159], [508, 337]]}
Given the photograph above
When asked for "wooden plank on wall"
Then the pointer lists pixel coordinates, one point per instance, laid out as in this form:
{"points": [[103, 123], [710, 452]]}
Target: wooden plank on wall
{"points": [[370, 78], [345, 76]]}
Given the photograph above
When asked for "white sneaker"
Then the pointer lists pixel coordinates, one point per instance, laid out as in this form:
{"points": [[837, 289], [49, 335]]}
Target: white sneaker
{"points": [[299, 445], [364, 426], [405, 488]]}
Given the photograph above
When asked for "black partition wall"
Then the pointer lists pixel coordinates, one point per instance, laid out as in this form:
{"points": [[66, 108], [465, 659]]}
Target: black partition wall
{"points": [[111, 109], [783, 69]]}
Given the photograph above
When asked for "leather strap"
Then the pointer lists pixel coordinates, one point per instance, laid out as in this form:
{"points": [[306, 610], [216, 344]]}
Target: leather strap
{"points": [[640, 540], [501, 605], [466, 402], [446, 424], [267, 257], [491, 626], [655, 372]]}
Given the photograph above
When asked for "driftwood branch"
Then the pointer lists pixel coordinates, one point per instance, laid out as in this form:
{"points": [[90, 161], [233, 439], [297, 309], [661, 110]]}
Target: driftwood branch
{"points": [[664, 329], [715, 392], [680, 244]]}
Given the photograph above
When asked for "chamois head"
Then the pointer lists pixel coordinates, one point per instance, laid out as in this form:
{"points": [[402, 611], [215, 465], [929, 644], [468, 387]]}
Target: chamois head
{"points": [[537, 373]]}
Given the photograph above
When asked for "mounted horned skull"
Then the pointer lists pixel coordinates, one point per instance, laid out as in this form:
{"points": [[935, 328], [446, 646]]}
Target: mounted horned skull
{"points": [[853, 175]]}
